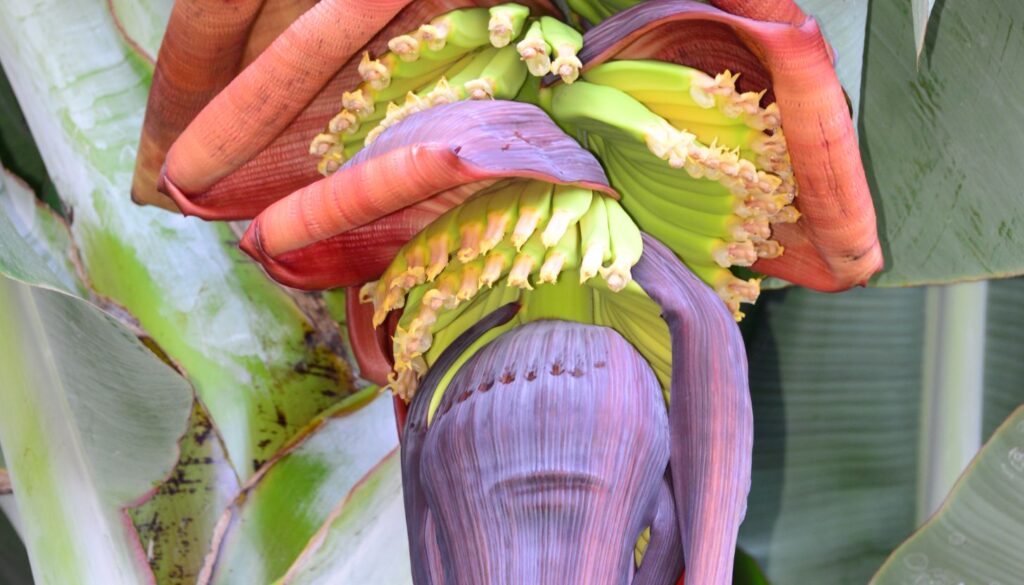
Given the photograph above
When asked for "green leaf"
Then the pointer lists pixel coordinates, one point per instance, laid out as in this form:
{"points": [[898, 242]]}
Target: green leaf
{"points": [[35, 245], [142, 24], [255, 361], [975, 537], [364, 538], [942, 142], [177, 525], [1004, 345], [89, 424], [274, 518], [844, 23], [835, 382]]}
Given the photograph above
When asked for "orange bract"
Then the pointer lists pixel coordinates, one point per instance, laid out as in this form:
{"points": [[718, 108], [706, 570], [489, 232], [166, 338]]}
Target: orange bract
{"points": [[247, 116], [200, 54]]}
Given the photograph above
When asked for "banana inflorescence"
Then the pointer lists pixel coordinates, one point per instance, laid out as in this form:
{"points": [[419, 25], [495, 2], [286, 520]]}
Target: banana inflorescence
{"points": [[728, 176], [700, 165], [523, 233], [464, 54]]}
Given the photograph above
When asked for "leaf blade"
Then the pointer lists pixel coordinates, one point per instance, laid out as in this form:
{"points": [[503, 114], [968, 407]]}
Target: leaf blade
{"points": [[109, 432]]}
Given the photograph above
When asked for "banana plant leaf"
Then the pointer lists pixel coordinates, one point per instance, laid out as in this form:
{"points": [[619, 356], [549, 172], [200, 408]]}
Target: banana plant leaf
{"points": [[942, 141], [85, 405], [176, 526], [976, 536], [274, 517], [370, 519], [35, 244], [256, 361], [142, 24], [836, 386]]}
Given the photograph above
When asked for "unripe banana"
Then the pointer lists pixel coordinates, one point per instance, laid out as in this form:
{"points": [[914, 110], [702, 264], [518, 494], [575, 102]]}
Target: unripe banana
{"points": [[458, 30], [470, 285], [506, 23], [568, 204], [692, 247], [472, 222], [619, 117], [497, 263], [534, 210], [442, 240], [502, 213], [501, 78], [675, 82], [565, 255], [566, 42], [594, 239], [627, 246], [730, 289], [534, 51], [526, 262]]}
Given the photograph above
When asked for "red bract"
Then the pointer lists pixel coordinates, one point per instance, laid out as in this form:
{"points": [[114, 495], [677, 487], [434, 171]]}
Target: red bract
{"points": [[248, 146]]}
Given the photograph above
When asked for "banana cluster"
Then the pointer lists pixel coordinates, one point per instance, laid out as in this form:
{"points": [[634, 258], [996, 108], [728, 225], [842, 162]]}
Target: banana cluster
{"points": [[463, 54], [526, 233], [728, 176]]}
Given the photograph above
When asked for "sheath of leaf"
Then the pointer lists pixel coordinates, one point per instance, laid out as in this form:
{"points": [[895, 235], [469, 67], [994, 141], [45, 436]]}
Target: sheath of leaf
{"points": [[262, 162], [710, 418], [546, 388], [432, 152], [835, 244]]}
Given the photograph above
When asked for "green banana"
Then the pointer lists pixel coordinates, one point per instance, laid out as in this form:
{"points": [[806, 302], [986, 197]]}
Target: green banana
{"points": [[442, 240], [506, 23], [526, 262], [534, 210], [501, 78], [626, 244], [568, 204], [463, 30], [534, 51], [638, 77], [565, 255], [472, 222], [502, 213], [594, 239], [497, 263], [566, 42]]}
